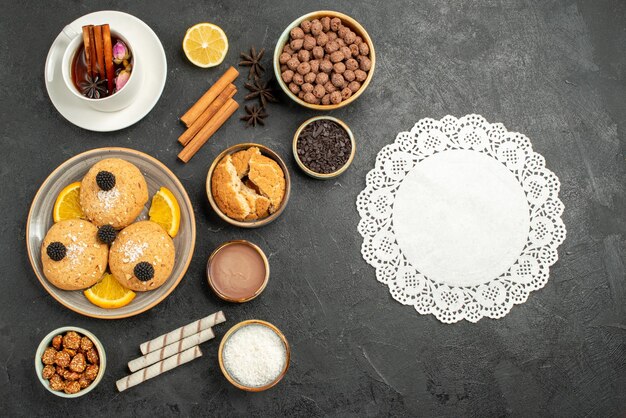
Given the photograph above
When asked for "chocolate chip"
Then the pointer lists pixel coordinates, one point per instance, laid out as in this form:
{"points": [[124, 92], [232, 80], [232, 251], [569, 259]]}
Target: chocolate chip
{"points": [[324, 146]]}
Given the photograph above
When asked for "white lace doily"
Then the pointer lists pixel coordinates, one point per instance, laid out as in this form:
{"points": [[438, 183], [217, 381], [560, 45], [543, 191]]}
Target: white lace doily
{"points": [[461, 218]]}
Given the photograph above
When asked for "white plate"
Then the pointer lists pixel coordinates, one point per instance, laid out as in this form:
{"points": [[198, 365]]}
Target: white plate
{"points": [[153, 56]]}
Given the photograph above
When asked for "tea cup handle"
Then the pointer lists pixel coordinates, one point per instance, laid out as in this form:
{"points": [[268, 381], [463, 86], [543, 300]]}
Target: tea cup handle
{"points": [[70, 33]]}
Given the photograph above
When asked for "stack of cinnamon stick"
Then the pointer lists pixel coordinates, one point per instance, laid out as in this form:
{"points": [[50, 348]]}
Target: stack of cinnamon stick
{"points": [[99, 53], [208, 114]]}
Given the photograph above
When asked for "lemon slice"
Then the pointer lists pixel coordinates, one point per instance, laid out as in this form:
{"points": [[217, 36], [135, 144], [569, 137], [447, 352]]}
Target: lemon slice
{"points": [[108, 293], [165, 211], [205, 44], [67, 205]]}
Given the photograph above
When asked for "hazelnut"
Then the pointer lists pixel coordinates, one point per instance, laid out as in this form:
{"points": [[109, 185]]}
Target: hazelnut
{"points": [[296, 44], [326, 99], [310, 77], [91, 371], [322, 39], [339, 67], [335, 97], [293, 63], [49, 355], [71, 340], [71, 388], [315, 66], [307, 87], [70, 375], [296, 33], [352, 64], [298, 79], [86, 344], [310, 98], [325, 23], [350, 37], [337, 80], [354, 49], [318, 52], [354, 86], [284, 57], [331, 47], [360, 75], [321, 78], [304, 68], [57, 383], [346, 93], [348, 75], [329, 87], [326, 66], [306, 26], [343, 31], [316, 27], [364, 49], [319, 91], [336, 56], [83, 381], [309, 42], [78, 363], [294, 88], [287, 76], [57, 341], [364, 63], [304, 55], [347, 53], [62, 358], [331, 36], [335, 24], [92, 356], [48, 371], [287, 49]]}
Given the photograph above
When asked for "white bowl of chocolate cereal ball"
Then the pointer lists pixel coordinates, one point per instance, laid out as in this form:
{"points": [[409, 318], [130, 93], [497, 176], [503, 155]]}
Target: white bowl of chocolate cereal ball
{"points": [[70, 362], [324, 60]]}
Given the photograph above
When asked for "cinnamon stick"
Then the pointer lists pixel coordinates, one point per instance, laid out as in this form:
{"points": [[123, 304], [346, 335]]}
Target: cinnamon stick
{"points": [[210, 111], [200, 106], [97, 31], [108, 56], [209, 129], [87, 48], [92, 53]]}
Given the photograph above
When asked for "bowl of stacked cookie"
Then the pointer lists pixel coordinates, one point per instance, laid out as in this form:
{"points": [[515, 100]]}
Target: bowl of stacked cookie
{"points": [[248, 185], [324, 60]]}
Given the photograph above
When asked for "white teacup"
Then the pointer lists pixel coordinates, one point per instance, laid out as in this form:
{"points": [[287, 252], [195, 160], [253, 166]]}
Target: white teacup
{"points": [[121, 99]]}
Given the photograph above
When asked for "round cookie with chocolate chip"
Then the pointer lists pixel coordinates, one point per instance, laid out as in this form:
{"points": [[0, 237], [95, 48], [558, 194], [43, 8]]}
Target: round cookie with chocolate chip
{"points": [[113, 192], [142, 256], [72, 256]]}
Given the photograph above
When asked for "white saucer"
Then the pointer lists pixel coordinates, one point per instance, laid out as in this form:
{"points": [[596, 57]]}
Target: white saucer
{"points": [[84, 116]]}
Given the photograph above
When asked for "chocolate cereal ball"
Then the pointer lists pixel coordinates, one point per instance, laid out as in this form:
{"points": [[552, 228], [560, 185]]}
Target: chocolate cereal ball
{"points": [[365, 63], [306, 26], [326, 66], [310, 98], [326, 99], [322, 39], [298, 79], [296, 33], [316, 27], [339, 67], [304, 55], [337, 80], [310, 77], [296, 44], [284, 57], [304, 68], [335, 24], [364, 49], [287, 76], [315, 66], [335, 97], [336, 57], [325, 23], [294, 88], [309, 42], [321, 78], [347, 54], [331, 47], [307, 87], [346, 93], [354, 86], [318, 52], [293, 63], [329, 87], [354, 49], [319, 91], [352, 64], [360, 75], [348, 75]]}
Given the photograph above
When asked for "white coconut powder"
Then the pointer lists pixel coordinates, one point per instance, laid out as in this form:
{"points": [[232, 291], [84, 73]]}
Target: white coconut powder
{"points": [[132, 251], [254, 355], [108, 198]]}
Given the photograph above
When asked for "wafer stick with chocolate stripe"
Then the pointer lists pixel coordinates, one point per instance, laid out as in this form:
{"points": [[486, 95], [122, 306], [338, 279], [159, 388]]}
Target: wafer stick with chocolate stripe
{"points": [[158, 368], [170, 350], [182, 332]]}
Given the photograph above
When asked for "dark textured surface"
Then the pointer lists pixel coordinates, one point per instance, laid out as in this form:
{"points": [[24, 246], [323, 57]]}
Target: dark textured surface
{"points": [[554, 70]]}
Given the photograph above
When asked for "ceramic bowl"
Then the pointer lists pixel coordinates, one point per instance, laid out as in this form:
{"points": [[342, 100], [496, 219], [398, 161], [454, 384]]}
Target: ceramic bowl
{"points": [[347, 21], [227, 374], [321, 176], [46, 342], [230, 298], [157, 175], [266, 152]]}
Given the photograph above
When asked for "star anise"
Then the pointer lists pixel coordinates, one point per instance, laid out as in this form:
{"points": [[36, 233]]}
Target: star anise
{"points": [[253, 60], [262, 90], [254, 116], [93, 88]]}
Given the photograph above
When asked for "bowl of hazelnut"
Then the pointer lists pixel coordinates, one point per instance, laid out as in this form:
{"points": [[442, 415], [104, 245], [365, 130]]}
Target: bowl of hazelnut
{"points": [[324, 60], [70, 362]]}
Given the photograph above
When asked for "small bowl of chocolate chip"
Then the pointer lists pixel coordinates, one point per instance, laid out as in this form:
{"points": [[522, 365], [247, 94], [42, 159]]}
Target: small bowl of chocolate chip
{"points": [[70, 362], [324, 147], [324, 60]]}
